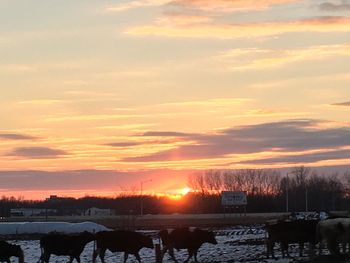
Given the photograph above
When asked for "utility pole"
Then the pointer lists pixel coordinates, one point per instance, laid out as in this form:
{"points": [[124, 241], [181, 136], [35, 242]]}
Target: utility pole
{"points": [[306, 200], [141, 195], [287, 193]]}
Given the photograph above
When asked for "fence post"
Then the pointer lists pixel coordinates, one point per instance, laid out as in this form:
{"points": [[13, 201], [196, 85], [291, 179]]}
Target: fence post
{"points": [[158, 254]]}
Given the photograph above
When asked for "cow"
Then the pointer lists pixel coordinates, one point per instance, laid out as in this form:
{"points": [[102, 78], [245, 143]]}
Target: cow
{"points": [[8, 250], [295, 231], [64, 245], [129, 242], [333, 231], [185, 238]]}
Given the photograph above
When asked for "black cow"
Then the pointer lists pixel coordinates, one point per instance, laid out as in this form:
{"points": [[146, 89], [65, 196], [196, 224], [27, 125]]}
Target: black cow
{"points": [[8, 250], [129, 242], [184, 238], [334, 231], [64, 245], [287, 232]]}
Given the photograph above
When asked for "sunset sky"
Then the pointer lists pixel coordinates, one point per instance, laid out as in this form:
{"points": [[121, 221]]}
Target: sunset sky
{"points": [[97, 96]]}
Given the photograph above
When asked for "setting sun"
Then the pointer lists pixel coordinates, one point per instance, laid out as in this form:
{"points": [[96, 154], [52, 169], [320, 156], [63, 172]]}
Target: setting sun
{"points": [[185, 190]]}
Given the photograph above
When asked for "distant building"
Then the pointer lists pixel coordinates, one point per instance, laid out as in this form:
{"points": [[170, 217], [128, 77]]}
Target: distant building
{"points": [[28, 212], [94, 211], [56, 199]]}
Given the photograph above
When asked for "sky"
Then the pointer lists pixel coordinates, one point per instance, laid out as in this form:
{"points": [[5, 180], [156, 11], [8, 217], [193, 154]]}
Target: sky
{"points": [[98, 96]]}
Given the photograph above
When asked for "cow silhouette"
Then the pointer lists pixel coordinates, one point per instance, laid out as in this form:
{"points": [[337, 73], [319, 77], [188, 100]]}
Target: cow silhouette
{"points": [[129, 242], [64, 245], [185, 238]]}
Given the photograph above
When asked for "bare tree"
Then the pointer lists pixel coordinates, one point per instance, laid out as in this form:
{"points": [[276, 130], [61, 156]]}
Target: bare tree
{"points": [[301, 174], [213, 182], [196, 182], [270, 182], [347, 182], [229, 182]]}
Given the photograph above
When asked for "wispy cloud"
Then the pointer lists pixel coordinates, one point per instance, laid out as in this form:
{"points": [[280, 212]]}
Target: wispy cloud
{"points": [[343, 104], [334, 7], [165, 134], [244, 30], [279, 137], [162, 141], [217, 102], [230, 5], [183, 19], [136, 4], [303, 158], [206, 5], [37, 153], [16, 136], [40, 102], [255, 58]]}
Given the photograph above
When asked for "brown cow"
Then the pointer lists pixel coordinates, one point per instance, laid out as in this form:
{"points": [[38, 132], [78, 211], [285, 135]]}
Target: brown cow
{"points": [[184, 238], [128, 242], [64, 245], [291, 231]]}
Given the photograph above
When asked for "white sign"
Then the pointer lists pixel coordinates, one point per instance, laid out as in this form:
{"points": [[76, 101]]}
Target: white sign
{"points": [[229, 198]]}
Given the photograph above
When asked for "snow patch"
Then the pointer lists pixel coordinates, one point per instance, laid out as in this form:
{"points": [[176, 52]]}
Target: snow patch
{"points": [[47, 227]]}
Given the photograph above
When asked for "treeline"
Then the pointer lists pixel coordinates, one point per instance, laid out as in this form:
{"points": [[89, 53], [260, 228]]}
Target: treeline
{"points": [[267, 191]]}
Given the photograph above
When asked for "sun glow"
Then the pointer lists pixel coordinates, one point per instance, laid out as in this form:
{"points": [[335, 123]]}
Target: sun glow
{"points": [[185, 190]]}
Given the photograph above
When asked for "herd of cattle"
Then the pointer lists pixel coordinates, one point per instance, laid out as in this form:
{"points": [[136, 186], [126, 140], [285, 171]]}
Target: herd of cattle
{"points": [[129, 242], [334, 232]]}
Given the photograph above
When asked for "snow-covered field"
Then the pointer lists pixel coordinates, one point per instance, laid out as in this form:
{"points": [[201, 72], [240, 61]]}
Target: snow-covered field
{"points": [[239, 244], [47, 227]]}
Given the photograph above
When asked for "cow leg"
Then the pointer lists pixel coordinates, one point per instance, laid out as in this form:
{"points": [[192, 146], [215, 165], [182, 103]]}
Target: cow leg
{"points": [[332, 246], [172, 255], [284, 248], [41, 260], [190, 254], [77, 258], [71, 258], [46, 257], [301, 248], [138, 257], [195, 255], [269, 246], [311, 251], [95, 254], [320, 247], [344, 247], [126, 255], [164, 250], [102, 255]]}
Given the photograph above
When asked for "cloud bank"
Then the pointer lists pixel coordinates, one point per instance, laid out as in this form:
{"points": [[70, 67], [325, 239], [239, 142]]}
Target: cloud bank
{"points": [[16, 136], [279, 137], [37, 153]]}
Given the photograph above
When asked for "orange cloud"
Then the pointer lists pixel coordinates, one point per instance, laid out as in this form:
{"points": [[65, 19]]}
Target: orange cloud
{"points": [[254, 58], [182, 20], [136, 4], [230, 5], [207, 5], [247, 30]]}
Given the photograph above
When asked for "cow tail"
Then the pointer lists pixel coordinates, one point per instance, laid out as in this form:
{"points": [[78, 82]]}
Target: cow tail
{"points": [[318, 234]]}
